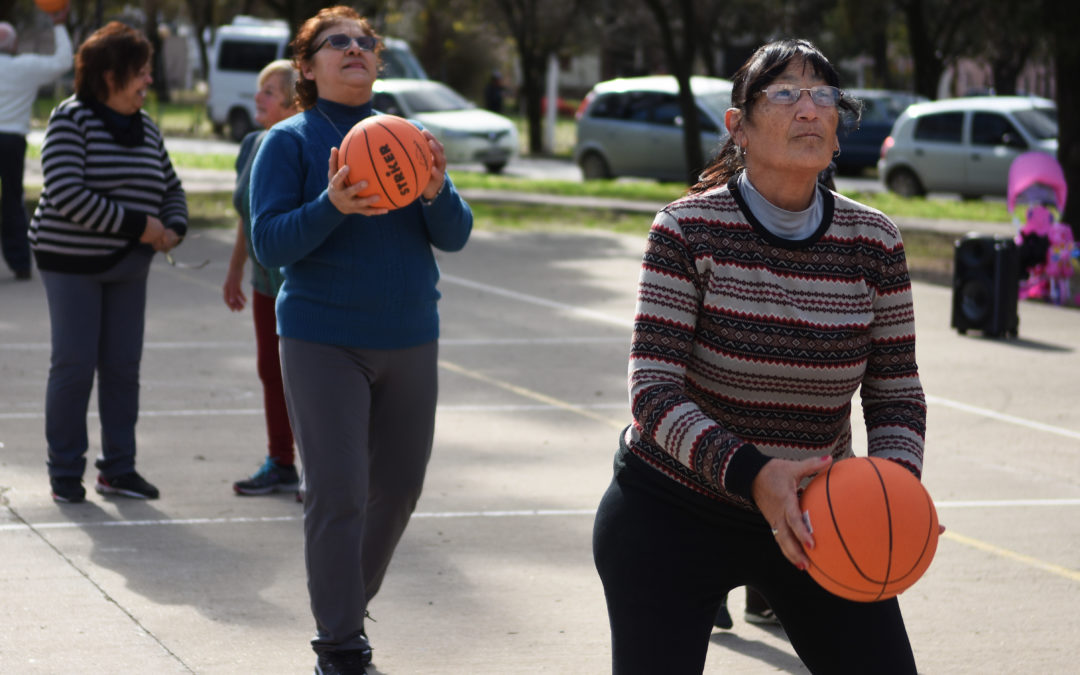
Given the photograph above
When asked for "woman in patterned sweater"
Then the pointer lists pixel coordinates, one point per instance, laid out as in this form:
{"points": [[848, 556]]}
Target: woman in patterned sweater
{"points": [[764, 303], [111, 199]]}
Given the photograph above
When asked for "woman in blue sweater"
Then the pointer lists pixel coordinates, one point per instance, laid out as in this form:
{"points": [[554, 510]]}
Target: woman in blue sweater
{"points": [[358, 323]]}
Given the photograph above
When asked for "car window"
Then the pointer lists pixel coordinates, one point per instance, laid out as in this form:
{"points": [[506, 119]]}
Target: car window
{"points": [[246, 56], [940, 127], [715, 102], [386, 103], [666, 111], [994, 129], [607, 106], [435, 99], [1041, 123], [640, 106]]}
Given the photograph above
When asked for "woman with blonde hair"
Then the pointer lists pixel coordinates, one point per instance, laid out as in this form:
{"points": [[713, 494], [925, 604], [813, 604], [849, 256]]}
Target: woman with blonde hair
{"points": [[275, 101]]}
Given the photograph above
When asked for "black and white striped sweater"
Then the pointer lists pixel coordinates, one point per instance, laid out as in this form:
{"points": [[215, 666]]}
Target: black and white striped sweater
{"points": [[98, 191]]}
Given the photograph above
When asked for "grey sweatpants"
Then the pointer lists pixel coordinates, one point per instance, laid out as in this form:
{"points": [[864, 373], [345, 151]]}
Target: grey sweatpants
{"points": [[363, 421]]}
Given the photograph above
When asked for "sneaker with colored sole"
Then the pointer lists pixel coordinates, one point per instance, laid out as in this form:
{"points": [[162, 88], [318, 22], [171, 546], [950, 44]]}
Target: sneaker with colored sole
{"points": [[130, 485], [67, 489], [271, 477]]}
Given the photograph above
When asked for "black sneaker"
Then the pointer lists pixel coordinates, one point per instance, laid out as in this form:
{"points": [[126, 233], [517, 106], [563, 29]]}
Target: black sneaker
{"points": [[353, 662], [271, 477], [128, 485], [723, 617], [67, 490]]}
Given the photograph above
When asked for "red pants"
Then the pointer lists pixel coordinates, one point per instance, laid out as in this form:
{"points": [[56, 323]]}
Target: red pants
{"points": [[268, 364]]}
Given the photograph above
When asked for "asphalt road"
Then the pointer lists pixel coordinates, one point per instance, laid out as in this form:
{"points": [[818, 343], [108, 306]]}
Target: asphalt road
{"points": [[494, 575]]}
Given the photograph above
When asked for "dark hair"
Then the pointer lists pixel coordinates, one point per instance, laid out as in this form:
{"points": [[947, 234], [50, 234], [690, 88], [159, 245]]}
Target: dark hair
{"points": [[114, 48], [759, 71], [303, 46]]}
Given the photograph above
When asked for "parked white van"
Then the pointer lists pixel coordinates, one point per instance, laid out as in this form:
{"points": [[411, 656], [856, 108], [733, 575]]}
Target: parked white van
{"points": [[241, 49]]}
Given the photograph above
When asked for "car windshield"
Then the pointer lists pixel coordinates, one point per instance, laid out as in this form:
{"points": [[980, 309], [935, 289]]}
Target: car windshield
{"points": [[434, 99], [1040, 122]]}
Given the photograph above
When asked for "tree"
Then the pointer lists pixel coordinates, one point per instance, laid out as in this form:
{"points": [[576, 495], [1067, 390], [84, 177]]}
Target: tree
{"points": [[1064, 26], [935, 35], [679, 34], [539, 30]]}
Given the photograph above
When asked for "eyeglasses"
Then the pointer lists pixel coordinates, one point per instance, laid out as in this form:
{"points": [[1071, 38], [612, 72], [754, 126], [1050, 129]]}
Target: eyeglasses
{"points": [[787, 94], [341, 41]]}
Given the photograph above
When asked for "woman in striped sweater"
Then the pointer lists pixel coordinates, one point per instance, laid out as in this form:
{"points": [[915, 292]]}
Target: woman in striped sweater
{"points": [[111, 199], [764, 303]]}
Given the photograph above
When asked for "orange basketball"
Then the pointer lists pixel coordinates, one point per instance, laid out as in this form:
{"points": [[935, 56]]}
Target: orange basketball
{"points": [[875, 528], [389, 153], [51, 6]]}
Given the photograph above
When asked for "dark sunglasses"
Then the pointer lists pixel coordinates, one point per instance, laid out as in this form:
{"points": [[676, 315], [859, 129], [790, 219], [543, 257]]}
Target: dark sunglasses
{"points": [[341, 41]]}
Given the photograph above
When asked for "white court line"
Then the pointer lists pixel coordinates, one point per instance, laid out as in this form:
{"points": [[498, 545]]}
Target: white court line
{"points": [[521, 513], [1002, 417], [543, 302], [453, 342], [243, 412]]}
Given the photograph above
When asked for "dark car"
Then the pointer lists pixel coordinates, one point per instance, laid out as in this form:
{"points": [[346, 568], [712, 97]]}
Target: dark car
{"points": [[861, 148]]}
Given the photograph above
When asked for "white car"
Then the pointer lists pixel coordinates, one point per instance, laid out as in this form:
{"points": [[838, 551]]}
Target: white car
{"points": [[633, 126], [469, 134], [241, 49], [965, 145]]}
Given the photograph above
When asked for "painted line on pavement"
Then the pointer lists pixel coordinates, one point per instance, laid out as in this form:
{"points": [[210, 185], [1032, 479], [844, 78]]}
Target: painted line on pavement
{"points": [[509, 513], [1002, 417]]}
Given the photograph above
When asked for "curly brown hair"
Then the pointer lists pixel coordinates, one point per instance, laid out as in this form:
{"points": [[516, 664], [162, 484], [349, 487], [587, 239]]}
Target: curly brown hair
{"points": [[303, 46], [114, 48], [759, 71]]}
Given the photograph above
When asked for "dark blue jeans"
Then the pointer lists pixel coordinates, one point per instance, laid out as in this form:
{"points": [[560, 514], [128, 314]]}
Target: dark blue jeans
{"points": [[97, 325], [13, 242], [666, 568]]}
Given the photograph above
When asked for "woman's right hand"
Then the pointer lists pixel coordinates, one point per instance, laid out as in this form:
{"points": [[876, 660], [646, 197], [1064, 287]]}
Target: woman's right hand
{"points": [[776, 492], [233, 290], [344, 197], [154, 232]]}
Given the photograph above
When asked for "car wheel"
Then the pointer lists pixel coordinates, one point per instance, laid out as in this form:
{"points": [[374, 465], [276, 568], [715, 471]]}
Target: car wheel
{"points": [[593, 167], [240, 125], [905, 183], [495, 167]]}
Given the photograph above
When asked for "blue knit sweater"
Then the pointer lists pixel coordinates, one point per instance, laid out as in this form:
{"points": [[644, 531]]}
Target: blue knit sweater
{"points": [[354, 281]]}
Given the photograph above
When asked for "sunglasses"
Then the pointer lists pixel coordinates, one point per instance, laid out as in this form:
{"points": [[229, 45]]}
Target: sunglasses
{"points": [[787, 94], [341, 41]]}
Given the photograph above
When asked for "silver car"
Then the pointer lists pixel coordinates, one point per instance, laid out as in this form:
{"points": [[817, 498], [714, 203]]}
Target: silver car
{"points": [[633, 126], [468, 134], [965, 145]]}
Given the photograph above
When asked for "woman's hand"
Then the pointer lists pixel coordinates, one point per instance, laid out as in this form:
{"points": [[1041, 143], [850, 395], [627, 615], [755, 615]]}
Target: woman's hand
{"points": [[438, 167], [232, 290], [775, 491], [153, 232], [345, 197]]}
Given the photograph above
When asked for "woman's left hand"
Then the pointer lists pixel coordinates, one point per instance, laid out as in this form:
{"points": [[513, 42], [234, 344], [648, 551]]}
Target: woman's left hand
{"points": [[438, 167]]}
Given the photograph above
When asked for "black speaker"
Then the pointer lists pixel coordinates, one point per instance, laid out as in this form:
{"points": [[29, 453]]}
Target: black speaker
{"points": [[986, 284]]}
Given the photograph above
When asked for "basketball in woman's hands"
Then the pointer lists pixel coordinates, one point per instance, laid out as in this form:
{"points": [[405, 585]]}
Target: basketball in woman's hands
{"points": [[392, 155], [875, 528]]}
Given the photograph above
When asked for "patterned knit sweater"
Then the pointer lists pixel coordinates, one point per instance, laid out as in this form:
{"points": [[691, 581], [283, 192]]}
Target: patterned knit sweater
{"points": [[748, 347], [100, 185]]}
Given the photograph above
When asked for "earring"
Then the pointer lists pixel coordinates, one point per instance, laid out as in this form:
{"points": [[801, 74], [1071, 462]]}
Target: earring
{"points": [[837, 153]]}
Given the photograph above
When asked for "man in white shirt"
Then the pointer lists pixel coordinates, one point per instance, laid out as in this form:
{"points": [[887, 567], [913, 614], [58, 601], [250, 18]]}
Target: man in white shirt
{"points": [[21, 75]]}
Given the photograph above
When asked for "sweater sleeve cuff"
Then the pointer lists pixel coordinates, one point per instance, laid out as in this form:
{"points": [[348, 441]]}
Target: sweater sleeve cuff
{"points": [[133, 223], [743, 469]]}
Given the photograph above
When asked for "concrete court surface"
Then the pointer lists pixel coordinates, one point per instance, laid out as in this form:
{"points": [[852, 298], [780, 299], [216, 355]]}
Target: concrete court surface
{"points": [[495, 574]]}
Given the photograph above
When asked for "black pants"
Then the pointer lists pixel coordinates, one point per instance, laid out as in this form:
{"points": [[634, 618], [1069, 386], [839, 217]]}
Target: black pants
{"points": [[666, 568], [13, 239]]}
